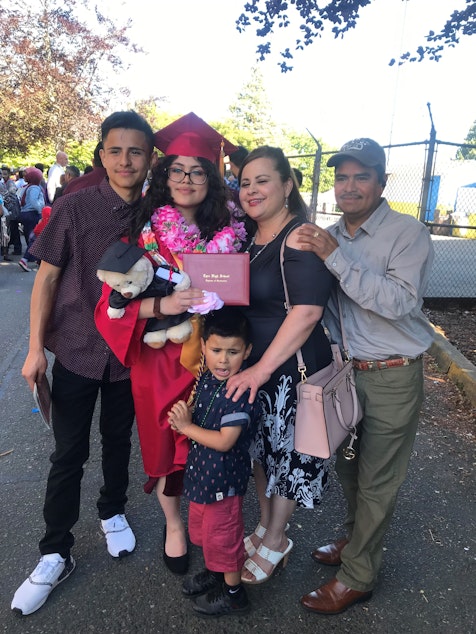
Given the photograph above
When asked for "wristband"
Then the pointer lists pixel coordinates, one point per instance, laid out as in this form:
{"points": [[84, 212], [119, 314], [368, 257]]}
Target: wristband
{"points": [[157, 313]]}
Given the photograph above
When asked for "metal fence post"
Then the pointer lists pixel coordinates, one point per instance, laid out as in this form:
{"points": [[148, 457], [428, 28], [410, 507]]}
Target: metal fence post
{"points": [[316, 176], [428, 174]]}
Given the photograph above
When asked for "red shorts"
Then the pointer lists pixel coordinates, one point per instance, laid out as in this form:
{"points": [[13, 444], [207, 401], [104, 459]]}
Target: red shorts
{"points": [[218, 529]]}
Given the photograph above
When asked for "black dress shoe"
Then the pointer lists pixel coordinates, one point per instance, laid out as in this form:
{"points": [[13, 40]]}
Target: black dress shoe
{"points": [[177, 565], [201, 583]]}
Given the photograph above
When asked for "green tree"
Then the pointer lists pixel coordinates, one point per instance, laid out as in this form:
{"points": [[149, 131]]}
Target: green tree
{"points": [[468, 152], [251, 114], [152, 111], [340, 16], [301, 150], [59, 59]]}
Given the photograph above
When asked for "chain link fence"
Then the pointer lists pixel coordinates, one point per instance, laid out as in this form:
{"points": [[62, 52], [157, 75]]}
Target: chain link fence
{"points": [[426, 181]]}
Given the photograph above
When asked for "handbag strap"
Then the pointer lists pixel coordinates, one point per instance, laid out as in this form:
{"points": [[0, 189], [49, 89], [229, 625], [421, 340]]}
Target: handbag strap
{"points": [[287, 305]]}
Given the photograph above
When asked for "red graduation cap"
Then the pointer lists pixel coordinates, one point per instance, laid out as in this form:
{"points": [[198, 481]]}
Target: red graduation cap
{"points": [[192, 136]]}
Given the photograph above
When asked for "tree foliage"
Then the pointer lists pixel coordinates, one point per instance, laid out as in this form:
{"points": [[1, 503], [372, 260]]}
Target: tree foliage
{"points": [[459, 23], [340, 16], [301, 149], [151, 110], [251, 125], [251, 113], [58, 61], [465, 152]]}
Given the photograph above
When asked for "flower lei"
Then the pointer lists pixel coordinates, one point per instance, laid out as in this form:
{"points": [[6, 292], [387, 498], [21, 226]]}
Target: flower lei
{"points": [[180, 237]]}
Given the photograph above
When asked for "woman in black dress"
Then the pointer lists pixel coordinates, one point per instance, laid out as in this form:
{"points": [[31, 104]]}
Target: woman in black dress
{"points": [[284, 478]]}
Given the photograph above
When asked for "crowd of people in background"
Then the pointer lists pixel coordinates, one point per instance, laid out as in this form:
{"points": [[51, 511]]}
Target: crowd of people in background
{"points": [[210, 406], [27, 197]]}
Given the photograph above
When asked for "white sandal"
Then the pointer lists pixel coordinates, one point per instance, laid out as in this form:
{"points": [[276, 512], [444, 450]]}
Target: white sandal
{"points": [[277, 558], [260, 532], [250, 548]]}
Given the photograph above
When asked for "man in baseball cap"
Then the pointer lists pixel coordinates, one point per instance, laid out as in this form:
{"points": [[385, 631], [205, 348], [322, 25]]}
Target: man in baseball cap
{"points": [[366, 151], [381, 260]]}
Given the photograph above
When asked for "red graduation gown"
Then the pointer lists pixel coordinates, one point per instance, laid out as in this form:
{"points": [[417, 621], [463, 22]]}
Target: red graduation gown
{"points": [[158, 381]]}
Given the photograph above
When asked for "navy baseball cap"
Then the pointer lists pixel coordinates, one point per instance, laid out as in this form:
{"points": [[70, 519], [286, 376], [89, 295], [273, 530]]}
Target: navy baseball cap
{"points": [[366, 151]]}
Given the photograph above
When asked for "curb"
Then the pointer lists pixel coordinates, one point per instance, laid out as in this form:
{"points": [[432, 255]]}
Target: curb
{"points": [[450, 361]]}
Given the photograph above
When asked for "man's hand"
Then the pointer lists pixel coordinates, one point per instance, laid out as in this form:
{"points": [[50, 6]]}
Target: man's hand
{"points": [[318, 240], [34, 367]]}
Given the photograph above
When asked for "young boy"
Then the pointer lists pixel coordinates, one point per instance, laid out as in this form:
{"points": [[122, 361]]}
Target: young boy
{"points": [[218, 466]]}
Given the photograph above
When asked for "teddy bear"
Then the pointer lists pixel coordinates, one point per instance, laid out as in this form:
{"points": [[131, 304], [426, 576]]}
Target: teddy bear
{"points": [[130, 274]]}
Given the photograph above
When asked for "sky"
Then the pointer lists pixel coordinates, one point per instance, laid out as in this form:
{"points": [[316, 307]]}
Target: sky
{"points": [[338, 89]]}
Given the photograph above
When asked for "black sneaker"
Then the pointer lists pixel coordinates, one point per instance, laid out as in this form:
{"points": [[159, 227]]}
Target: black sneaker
{"points": [[201, 582], [219, 602]]}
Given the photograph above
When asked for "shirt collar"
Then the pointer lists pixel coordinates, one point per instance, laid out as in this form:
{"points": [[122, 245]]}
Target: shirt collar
{"points": [[372, 223], [211, 380], [115, 200]]}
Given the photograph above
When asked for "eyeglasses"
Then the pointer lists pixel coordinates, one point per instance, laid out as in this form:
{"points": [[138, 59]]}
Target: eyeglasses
{"points": [[177, 175]]}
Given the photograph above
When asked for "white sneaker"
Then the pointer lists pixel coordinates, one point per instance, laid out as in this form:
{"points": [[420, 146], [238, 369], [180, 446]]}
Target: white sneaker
{"points": [[34, 591], [119, 536]]}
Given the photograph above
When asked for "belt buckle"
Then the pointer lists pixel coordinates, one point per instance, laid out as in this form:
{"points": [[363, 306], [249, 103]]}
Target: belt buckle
{"points": [[372, 365]]}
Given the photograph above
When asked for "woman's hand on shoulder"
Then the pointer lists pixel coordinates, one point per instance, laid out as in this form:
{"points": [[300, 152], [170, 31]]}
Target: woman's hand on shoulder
{"points": [[251, 378]]}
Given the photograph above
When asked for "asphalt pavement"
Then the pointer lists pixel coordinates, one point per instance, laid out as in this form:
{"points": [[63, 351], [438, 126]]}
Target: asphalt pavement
{"points": [[426, 585]]}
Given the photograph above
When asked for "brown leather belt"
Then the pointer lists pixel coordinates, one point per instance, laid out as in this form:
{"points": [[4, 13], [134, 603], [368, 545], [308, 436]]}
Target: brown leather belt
{"points": [[387, 363]]}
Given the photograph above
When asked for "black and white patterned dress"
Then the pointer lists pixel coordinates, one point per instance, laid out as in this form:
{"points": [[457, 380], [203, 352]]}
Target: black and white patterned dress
{"points": [[289, 474]]}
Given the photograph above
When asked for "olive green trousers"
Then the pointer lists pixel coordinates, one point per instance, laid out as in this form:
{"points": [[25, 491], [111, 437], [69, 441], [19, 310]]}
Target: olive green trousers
{"points": [[391, 400]]}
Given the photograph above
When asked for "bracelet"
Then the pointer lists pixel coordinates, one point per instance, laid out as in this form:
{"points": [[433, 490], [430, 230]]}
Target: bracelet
{"points": [[157, 313]]}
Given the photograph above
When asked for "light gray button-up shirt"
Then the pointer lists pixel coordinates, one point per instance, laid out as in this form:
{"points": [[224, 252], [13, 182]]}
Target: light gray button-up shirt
{"points": [[383, 271]]}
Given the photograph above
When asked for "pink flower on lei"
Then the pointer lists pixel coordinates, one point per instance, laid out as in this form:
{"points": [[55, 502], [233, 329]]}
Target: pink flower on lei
{"points": [[179, 237], [223, 241]]}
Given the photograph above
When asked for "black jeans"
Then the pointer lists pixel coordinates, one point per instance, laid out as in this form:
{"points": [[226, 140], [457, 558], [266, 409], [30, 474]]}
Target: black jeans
{"points": [[29, 221], [15, 238], [74, 398]]}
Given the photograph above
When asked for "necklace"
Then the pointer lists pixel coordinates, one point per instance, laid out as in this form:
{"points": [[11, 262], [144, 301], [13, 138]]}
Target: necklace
{"points": [[251, 244], [253, 240], [202, 422]]}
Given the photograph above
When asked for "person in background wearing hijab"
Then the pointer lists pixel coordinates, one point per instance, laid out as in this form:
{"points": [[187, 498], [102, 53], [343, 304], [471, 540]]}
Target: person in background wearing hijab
{"points": [[32, 202]]}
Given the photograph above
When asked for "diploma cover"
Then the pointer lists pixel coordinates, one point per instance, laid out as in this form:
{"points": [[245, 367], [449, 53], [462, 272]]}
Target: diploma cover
{"points": [[226, 274], [42, 398]]}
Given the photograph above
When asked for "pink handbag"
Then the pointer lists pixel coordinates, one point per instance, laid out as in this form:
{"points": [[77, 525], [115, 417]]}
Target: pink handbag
{"points": [[327, 407]]}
